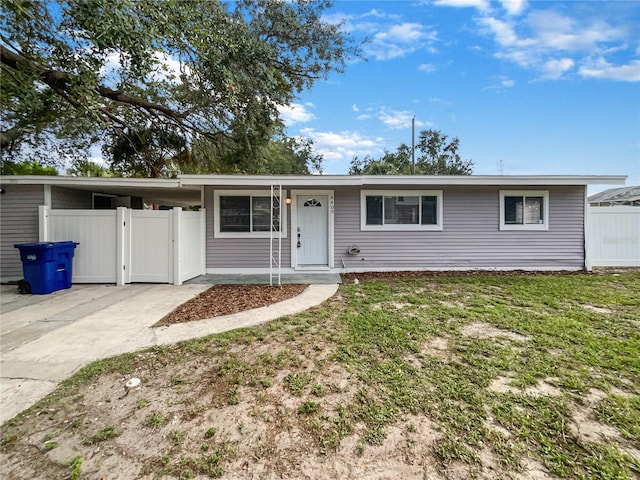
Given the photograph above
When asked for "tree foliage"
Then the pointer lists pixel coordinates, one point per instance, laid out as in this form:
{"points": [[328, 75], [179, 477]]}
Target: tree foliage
{"points": [[282, 155], [435, 155], [26, 167], [88, 168], [208, 71]]}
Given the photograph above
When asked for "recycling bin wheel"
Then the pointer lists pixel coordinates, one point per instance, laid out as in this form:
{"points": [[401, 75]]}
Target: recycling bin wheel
{"points": [[24, 287]]}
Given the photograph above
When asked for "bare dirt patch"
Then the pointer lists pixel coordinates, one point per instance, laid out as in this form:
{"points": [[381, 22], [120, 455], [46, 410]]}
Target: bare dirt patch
{"points": [[437, 347], [222, 300], [485, 330], [543, 387], [593, 308], [586, 426]]}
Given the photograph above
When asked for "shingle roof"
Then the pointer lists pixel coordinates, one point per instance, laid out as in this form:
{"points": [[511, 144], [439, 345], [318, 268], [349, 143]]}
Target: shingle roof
{"points": [[617, 195]]}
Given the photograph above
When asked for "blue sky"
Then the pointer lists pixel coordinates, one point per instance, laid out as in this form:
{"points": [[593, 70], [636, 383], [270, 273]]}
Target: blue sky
{"points": [[529, 87]]}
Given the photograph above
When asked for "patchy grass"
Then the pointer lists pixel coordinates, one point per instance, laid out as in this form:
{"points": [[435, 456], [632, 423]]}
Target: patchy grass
{"points": [[441, 377]]}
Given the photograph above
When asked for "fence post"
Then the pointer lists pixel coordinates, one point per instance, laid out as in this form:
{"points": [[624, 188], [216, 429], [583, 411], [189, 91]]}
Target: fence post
{"points": [[176, 215], [122, 246], [43, 223], [203, 241], [588, 242]]}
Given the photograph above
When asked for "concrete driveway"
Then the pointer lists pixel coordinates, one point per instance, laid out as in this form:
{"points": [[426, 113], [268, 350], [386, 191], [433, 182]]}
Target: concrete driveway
{"points": [[44, 339]]}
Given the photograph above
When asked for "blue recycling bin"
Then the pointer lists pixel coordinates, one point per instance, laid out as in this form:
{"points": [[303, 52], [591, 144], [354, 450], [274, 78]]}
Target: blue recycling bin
{"points": [[46, 267]]}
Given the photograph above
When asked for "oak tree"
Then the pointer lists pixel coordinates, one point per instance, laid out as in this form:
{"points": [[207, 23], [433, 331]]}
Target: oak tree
{"points": [[210, 71]]}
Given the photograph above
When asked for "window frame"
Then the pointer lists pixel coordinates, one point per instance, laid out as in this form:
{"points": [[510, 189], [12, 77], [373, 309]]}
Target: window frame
{"points": [[544, 226], [217, 214], [436, 227]]}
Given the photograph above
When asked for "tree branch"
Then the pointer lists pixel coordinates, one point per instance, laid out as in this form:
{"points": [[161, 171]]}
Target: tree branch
{"points": [[59, 82]]}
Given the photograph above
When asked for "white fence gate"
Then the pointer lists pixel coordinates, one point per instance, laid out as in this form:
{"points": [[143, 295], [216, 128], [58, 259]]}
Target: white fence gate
{"points": [[613, 236], [124, 246]]}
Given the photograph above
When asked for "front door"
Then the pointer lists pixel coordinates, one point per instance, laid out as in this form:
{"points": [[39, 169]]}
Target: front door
{"points": [[313, 230]]}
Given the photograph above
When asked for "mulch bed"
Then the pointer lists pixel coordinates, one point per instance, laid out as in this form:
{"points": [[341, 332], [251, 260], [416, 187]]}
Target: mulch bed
{"points": [[227, 299]]}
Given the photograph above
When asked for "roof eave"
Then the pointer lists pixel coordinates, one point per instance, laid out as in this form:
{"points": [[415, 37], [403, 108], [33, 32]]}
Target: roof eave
{"points": [[363, 180]]}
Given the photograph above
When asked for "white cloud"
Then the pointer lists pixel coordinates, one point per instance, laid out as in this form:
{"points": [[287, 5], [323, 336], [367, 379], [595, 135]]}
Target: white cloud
{"points": [[600, 68], [426, 67], [295, 113], [166, 68], [560, 32], [514, 7], [355, 108], [501, 83], [399, 40], [343, 145], [397, 120], [553, 43], [479, 4], [554, 69]]}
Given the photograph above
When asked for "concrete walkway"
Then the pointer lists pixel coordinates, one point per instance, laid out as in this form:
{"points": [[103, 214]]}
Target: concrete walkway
{"points": [[47, 339]]}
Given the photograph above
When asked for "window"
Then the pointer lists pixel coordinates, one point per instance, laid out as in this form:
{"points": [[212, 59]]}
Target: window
{"points": [[524, 210], [245, 214], [401, 210]]}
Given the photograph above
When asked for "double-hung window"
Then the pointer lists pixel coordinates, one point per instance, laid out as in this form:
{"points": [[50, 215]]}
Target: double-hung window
{"points": [[524, 210], [246, 214], [401, 210]]}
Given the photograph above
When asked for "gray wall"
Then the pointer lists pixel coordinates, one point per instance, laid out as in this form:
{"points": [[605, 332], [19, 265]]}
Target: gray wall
{"points": [[67, 198], [18, 224], [241, 252], [471, 237]]}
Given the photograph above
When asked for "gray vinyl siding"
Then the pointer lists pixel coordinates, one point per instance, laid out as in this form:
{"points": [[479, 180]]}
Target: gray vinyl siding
{"points": [[67, 198], [241, 252], [471, 235], [18, 224]]}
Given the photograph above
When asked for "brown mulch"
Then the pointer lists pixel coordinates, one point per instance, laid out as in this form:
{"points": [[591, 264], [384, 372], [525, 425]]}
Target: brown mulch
{"points": [[227, 299]]}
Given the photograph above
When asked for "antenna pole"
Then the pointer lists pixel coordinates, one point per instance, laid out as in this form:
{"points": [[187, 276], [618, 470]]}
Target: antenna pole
{"points": [[413, 145]]}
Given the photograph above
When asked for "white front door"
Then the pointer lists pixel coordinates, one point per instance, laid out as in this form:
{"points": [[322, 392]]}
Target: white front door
{"points": [[313, 230]]}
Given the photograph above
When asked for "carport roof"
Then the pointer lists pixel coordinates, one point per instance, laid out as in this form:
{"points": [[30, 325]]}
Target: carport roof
{"points": [[153, 190]]}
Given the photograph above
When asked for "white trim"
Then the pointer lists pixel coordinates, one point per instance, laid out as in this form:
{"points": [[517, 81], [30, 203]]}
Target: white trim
{"points": [[93, 181], [437, 227], [294, 227], [588, 266], [243, 193], [525, 226], [399, 180], [318, 180], [47, 195]]}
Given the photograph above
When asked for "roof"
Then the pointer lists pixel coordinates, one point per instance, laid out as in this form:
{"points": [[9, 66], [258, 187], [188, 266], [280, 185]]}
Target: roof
{"points": [[617, 195], [194, 182], [400, 180]]}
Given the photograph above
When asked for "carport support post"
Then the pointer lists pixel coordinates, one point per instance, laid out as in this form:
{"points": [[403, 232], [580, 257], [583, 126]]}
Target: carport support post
{"points": [[43, 223], [177, 274]]}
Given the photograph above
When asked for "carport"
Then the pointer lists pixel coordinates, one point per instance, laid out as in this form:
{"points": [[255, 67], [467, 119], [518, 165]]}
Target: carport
{"points": [[121, 239]]}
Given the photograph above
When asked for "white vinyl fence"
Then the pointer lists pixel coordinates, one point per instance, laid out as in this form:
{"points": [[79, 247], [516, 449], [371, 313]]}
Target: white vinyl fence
{"points": [[124, 245], [613, 236]]}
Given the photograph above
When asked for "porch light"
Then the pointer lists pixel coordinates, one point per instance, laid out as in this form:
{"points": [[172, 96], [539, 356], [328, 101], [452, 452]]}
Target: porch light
{"points": [[287, 200]]}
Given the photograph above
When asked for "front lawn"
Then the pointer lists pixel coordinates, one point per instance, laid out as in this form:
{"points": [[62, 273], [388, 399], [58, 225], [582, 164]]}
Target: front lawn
{"points": [[479, 376]]}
